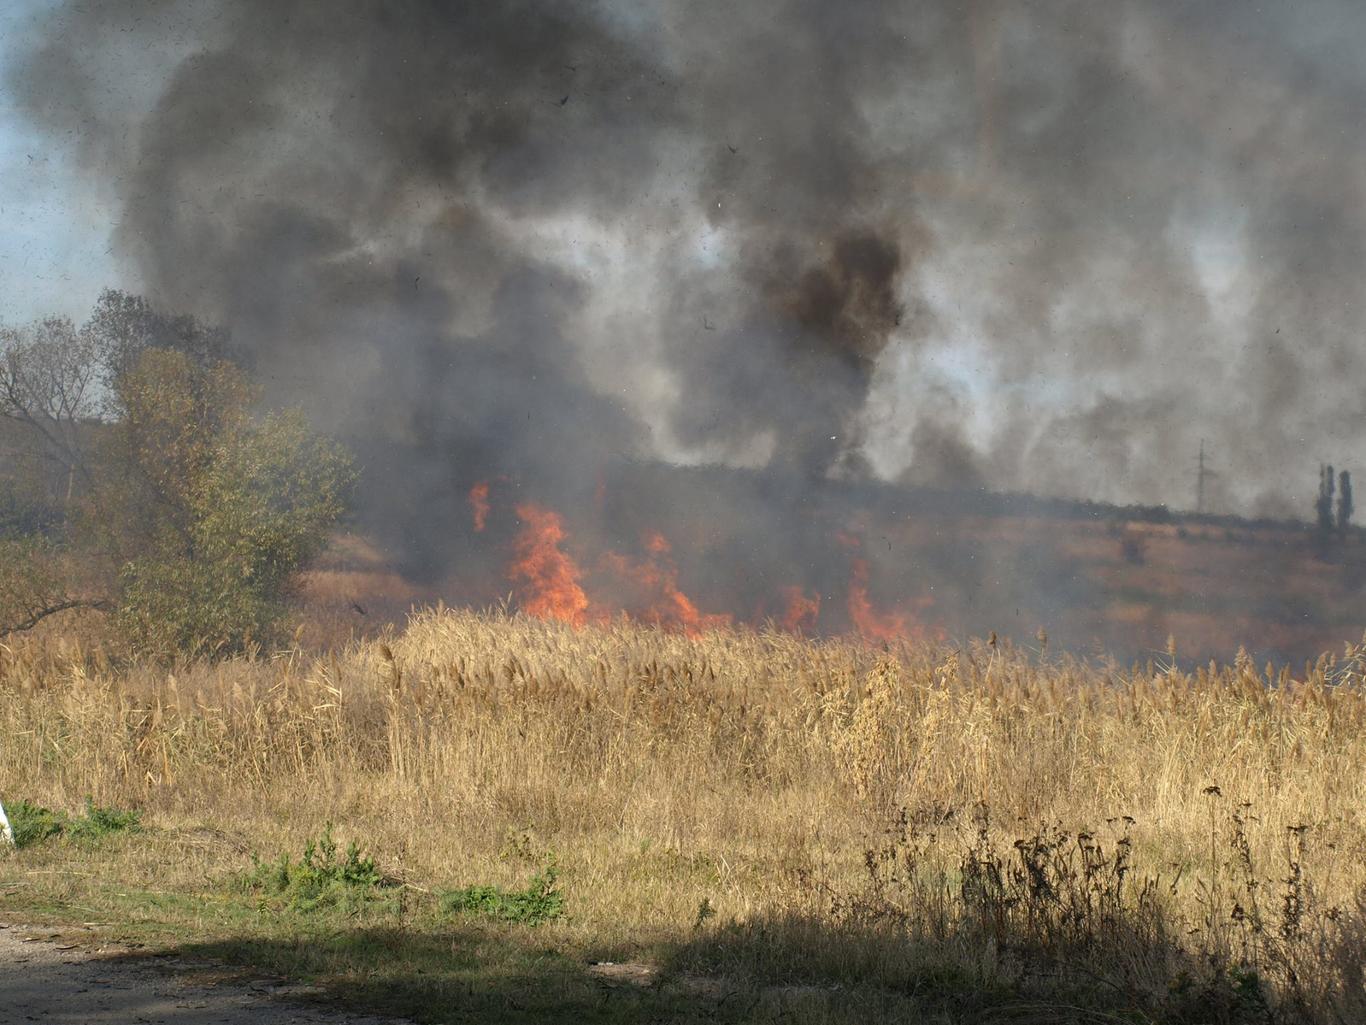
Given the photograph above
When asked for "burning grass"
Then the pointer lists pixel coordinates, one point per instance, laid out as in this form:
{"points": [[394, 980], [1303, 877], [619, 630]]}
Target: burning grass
{"points": [[830, 830], [550, 579]]}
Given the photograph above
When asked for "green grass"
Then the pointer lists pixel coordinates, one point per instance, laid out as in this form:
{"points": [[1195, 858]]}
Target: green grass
{"points": [[333, 920]]}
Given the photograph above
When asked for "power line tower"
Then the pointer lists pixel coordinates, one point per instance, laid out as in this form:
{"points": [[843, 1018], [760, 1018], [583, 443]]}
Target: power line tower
{"points": [[1203, 475]]}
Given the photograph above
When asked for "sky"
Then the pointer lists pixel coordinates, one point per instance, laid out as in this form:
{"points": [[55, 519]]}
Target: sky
{"points": [[55, 246]]}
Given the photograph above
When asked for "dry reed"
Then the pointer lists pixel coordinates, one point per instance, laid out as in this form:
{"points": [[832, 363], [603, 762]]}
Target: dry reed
{"points": [[1207, 826]]}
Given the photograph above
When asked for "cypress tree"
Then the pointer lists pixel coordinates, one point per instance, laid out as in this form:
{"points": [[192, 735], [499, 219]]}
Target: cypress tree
{"points": [[1324, 505]]}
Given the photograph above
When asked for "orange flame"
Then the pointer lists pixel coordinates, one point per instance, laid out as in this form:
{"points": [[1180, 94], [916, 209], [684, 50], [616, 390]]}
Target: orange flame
{"points": [[549, 575], [868, 621], [656, 578], [799, 611], [479, 504]]}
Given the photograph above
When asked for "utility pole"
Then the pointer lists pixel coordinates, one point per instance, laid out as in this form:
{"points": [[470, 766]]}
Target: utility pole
{"points": [[1202, 474]]}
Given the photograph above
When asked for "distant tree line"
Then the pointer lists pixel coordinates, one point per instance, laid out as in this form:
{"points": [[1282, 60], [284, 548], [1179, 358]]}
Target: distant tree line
{"points": [[137, 477], [1327, 522]]}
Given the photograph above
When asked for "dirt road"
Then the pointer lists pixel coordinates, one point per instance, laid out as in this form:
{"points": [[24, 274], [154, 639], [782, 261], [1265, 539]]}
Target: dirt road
{"points": [[57, 983]]}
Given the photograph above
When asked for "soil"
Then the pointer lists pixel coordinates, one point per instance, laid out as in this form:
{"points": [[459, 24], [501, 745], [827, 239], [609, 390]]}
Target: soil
{"points": [[44, 977]]}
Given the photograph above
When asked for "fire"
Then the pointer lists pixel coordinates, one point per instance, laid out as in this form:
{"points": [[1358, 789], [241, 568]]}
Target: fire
{"points": [[799, 611], [867, 620], [479, 504], [550, 583], [899, 623], [549, 576], [655, 580]]}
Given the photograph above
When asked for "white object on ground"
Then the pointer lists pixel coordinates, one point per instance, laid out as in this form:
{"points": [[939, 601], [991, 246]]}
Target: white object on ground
{"points": [[6, 834]]}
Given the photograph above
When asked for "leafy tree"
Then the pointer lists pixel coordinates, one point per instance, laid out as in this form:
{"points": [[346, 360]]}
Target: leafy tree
{"points": [[59, 383], [126, 326], [171, 418], [191, 515], [257, 506]]}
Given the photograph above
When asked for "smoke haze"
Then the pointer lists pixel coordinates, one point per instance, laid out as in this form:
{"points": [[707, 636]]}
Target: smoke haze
{"points": [[1041, 247]]}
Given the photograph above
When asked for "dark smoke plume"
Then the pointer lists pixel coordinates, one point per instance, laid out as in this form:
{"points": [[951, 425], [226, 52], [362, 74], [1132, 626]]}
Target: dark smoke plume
{"points": [[1024, 246], [352, 184]]}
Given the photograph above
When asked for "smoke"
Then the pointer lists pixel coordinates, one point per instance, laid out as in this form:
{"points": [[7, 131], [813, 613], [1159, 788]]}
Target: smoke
{"points": [[1023, 246]]}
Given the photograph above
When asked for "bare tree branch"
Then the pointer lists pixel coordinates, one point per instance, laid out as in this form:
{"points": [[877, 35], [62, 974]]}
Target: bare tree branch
{"points": [[36, 582], [36, 616]]}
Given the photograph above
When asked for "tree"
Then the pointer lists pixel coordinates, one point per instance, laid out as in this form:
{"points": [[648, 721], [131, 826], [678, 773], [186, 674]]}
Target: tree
{"points": [[192, 515], [170, 419], [1345, 508], [128, 325], [258, 505], [1324, 505], [49, 387], [35, 584], [60, 383]]}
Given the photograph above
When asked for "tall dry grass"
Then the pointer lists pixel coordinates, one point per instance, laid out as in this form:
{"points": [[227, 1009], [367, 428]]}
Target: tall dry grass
{"points": [[1192, 843]]}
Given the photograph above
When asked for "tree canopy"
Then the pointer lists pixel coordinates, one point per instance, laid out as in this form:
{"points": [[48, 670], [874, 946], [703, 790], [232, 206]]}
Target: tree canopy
{"points": [[141, 448]]}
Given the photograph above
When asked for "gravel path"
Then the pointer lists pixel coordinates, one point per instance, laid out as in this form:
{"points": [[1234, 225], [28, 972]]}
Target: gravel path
{"points": [[57, 983]]}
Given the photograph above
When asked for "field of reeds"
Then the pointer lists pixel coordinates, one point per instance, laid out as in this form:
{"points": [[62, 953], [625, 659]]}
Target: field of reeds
{"points": [[741, 826]]}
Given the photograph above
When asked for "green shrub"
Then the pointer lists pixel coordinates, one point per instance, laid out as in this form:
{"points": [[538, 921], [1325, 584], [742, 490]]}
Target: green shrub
{"points": [[191, 607], [261, 503], [322, 877], [98, 823], [541, 901], [32, 823]]}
